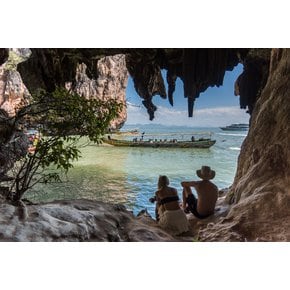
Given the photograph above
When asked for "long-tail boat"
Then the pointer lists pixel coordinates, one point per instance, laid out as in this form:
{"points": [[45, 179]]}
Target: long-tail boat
{"points": [[161, 143]]}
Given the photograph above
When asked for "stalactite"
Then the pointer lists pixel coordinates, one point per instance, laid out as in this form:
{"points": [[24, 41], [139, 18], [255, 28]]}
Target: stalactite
{"points": [[198, 68], [253, 78], [147, 80], [171, 80]]}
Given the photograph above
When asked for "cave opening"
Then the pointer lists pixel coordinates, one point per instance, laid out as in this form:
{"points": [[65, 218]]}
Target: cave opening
{"points": [[217, 106], [261, 181]]}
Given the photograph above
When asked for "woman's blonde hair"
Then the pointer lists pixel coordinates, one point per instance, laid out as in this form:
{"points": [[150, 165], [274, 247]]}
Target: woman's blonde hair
{"points": [[162, 181]]}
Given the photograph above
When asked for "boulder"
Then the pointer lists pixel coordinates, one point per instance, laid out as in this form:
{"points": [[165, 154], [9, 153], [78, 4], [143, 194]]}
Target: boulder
{"points": [[75, 221]]}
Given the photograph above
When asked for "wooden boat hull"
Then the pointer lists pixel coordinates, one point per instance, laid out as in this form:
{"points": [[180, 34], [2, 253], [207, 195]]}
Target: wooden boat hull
{"points": [[127, 133], [234, 129], [178, 144]]}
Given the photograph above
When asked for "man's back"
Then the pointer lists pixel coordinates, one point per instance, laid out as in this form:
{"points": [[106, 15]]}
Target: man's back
{"points": [[207, 196]]}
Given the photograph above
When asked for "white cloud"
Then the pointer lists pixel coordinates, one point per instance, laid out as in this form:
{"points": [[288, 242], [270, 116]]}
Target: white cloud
{"points": [[208, 117]]}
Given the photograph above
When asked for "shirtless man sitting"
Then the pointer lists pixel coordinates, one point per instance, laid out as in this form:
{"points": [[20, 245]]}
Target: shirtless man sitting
{"points": [[207, 193]]}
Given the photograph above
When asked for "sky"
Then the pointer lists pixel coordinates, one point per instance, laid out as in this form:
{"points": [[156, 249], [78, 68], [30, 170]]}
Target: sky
{"points": [[217, 106]]}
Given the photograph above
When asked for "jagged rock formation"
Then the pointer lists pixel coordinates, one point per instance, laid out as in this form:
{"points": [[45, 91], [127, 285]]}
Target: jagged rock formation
{"points": [[51, 67], [75, 221], [261, 189], [260, 193], [253, 78], [111, 83], [13, 96], [198, 69], [13, 93]]}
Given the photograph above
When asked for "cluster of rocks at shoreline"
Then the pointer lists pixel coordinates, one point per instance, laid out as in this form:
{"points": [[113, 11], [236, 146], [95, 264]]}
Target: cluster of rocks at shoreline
{"points": [[75, 221], [87, 220], [95, 221]]}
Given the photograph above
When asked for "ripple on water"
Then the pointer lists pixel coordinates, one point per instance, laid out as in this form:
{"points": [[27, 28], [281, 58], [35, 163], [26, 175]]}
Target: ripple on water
{"points": [[129, 175]]}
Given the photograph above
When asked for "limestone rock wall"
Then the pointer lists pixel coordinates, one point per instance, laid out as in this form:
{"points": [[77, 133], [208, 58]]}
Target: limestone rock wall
{"points": [[265, 153], [13, 93], [261, 189], [252, 80], [111, 83], [198, 69], [260, 193]]}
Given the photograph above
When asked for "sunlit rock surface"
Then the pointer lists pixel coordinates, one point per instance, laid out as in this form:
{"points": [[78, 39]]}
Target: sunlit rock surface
{"points": [[260, 194], [13, 92], [261, 189], [86, 220], [78, 220], [111, 83], [197, 68]]}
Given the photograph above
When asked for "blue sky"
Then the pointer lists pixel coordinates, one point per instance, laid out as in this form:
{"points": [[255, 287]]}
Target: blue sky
{"points": [[215, 107]]}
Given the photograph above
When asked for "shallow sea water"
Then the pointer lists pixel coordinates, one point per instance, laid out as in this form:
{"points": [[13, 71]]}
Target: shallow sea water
{"points": [[129, 175]]}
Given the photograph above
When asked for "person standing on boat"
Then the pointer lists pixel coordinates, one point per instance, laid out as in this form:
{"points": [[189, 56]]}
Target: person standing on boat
{"points": [[142, 136], [171, 216], [207, 192]]}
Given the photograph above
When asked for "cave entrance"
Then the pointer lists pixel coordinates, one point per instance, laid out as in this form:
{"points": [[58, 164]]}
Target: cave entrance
{"points": [[216, 107]]}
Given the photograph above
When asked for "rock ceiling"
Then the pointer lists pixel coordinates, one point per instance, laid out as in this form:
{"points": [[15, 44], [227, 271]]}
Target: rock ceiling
{"points": [[198, 68]]}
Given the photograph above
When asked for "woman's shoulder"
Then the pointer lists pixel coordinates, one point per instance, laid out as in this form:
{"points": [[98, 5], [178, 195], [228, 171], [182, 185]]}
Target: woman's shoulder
{"points": [[172, 190], [157, 192]]}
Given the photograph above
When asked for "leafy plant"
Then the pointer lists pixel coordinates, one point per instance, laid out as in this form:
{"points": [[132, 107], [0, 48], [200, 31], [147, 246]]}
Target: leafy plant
{"points": [[64, 118]]}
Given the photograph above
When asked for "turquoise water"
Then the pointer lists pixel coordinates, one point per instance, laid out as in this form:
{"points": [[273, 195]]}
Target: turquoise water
{"points": [[129, 175]]}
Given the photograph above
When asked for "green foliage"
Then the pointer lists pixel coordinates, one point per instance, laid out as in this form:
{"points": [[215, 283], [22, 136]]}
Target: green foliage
{"points": [[64, 117]]}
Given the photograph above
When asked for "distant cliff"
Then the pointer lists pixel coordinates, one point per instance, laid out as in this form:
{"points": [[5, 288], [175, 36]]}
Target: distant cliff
{"points": [[13, 93], [110, 83]]}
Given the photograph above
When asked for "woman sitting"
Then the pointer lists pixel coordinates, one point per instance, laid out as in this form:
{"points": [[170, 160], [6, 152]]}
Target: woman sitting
{"points": [[171, 217]]}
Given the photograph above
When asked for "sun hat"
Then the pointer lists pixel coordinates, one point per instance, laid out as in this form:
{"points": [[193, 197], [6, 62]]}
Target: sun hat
{"points": [[205, 173]]}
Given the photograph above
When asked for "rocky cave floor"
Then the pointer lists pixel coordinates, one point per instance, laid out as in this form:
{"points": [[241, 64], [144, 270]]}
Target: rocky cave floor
{"points": [[87, 220], [84, 220]]}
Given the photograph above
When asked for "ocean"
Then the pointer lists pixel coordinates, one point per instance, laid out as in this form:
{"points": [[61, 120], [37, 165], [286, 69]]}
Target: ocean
{"points": [[129, 175]]}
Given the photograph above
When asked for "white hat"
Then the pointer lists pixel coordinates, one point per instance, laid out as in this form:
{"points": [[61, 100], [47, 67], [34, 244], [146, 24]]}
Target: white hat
{"points": [[205, 173]]}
